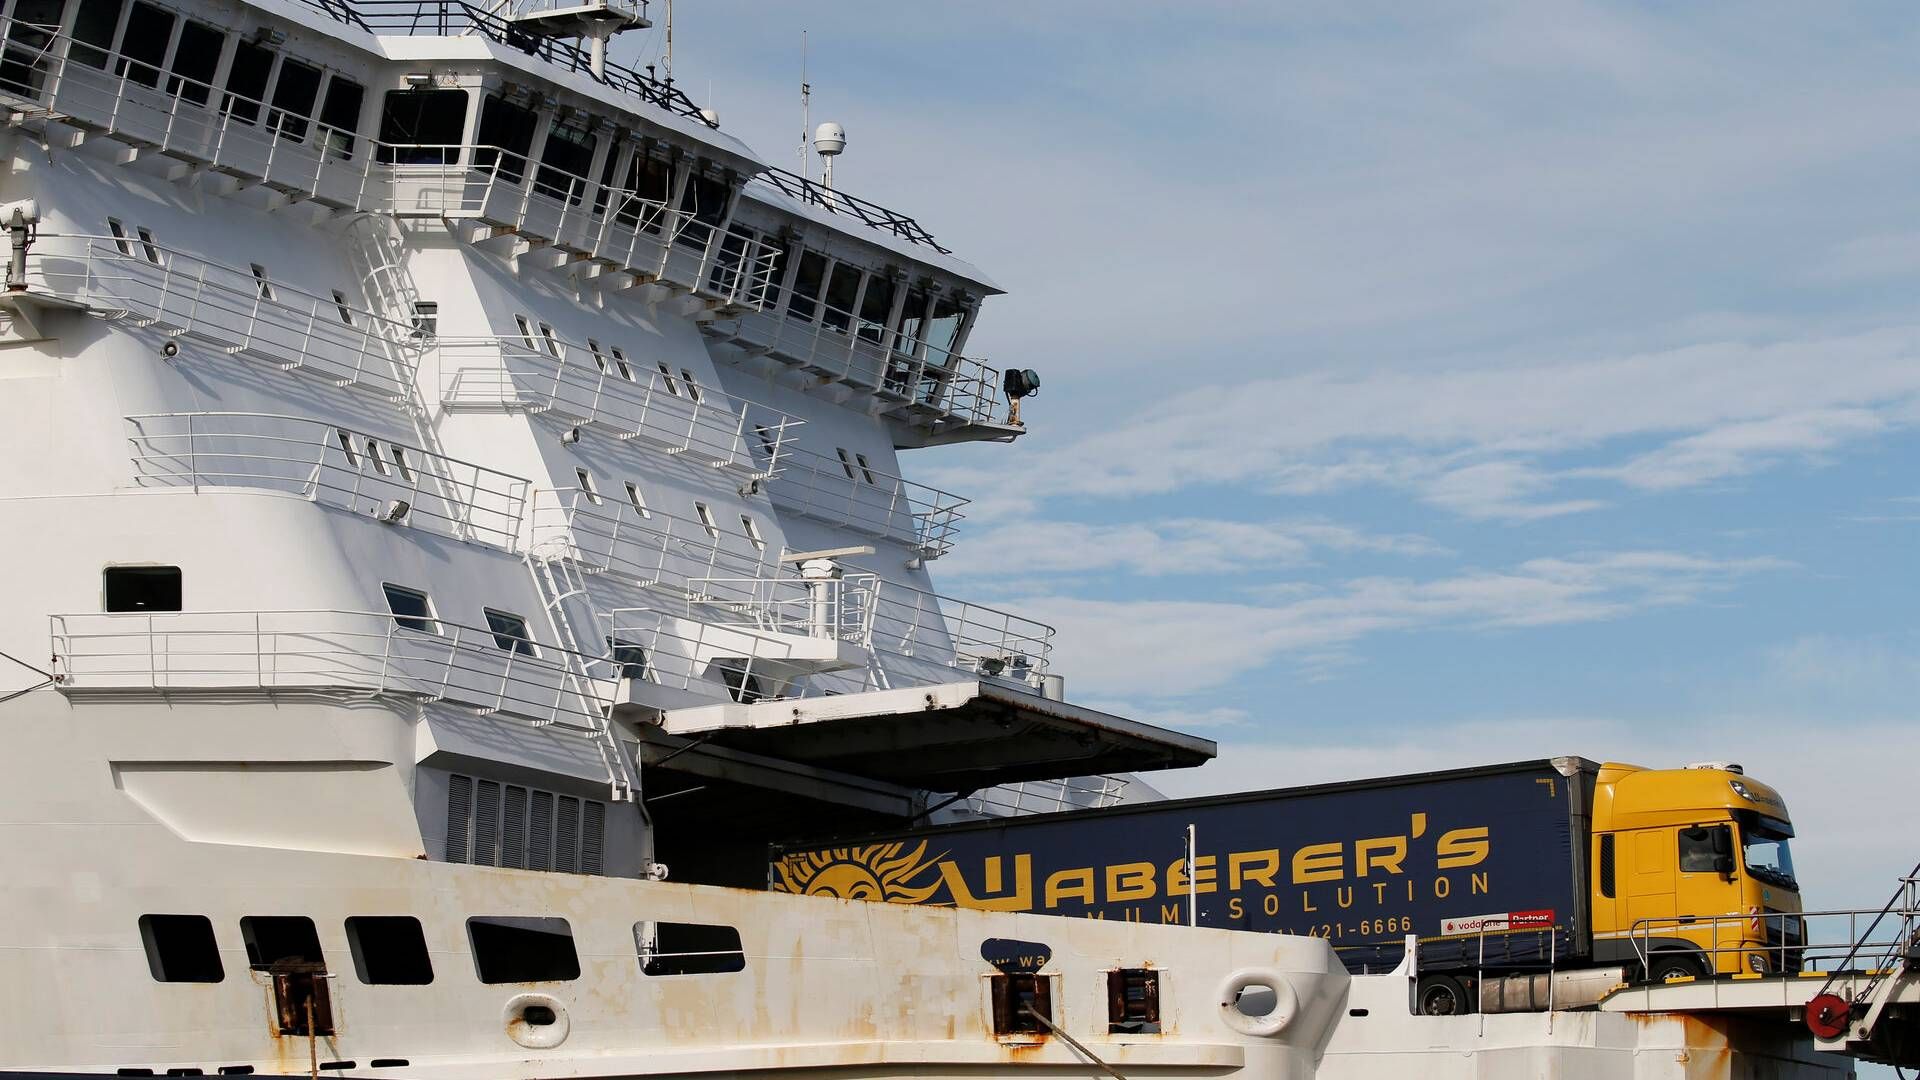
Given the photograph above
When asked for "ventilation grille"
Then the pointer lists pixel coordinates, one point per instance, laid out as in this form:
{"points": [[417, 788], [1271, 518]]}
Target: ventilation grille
{"points": [[495, 824]]}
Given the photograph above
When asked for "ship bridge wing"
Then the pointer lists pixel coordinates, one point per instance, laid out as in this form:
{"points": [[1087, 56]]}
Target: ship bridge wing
{"points": [[960, 736]]}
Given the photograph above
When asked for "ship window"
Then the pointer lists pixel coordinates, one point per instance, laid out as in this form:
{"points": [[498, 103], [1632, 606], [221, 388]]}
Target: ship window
{"points": [[564, 161], [706, 199], [340, 114], [706, 520], [944, 330], [742, 685], [389, 950], [411, 608], [599, 361], [194, 61], [650, 181], [846, 463], [260, 283], [1607, 862], [767, 442], [505, 136], [546, 336], [246, 80], [638, 500], [346, 447], [119, 232], [620, 362], [753, 533], [400, 462], [144, 48], [865, 469], [373, 455], [181, 948], [807, 282], [277, 939], [688, 948], [29, 37], [693, 388], [913, 321], [843, 291], [526, 330], [587, 487], [147, 246], [511, 949], [1016, 997], [422, 127], [629, 657], [294, 93], [426, 318], [666, 378], [876, 307], [340, 305], [94, 25], [510, 632], [1133, 1001], [142, 588], [604, 189]]}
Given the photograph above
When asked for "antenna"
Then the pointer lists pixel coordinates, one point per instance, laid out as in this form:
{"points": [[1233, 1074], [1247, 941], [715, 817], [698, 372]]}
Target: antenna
{"points": [[666, 60], [806, 112]]}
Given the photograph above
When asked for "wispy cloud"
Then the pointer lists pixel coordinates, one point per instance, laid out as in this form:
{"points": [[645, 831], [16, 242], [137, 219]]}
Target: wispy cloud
{"points": [[1164, 548]]}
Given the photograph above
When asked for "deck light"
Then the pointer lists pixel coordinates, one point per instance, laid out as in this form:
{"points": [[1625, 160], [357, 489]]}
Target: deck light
{"points": [[395, 511], [169, 350], [570, 436], [420, 80]]}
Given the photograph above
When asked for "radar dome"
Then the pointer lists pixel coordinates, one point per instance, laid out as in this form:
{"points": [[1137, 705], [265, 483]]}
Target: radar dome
{"points": [[829, 138]]}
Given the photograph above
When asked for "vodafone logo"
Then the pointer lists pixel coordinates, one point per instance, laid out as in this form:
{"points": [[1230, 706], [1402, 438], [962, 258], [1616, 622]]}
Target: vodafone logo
{"points": [[1466, 925]]}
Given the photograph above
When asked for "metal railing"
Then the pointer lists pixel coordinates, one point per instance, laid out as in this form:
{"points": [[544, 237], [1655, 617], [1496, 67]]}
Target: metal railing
{"points": [[329, 464], [913, 374], [607, 533], [845, 492], [743, 663], [1797, 942], [833, 200], [324, 649], [185, 295], [583, 385], [830, 608], [226, 133]]}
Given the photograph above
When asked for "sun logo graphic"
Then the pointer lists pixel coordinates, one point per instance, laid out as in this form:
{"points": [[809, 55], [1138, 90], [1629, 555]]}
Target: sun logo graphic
{"points": [[873, 872]]}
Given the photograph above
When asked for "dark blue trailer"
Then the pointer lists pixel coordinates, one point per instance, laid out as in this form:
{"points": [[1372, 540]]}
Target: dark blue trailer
{"points": [[1486, 866]]}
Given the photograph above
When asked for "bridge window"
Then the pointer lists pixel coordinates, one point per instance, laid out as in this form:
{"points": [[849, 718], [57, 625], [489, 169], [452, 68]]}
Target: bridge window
{"points": [[94, 26], [650, 180], [293, 96], [876, 307], [340, 114], [808, 279], [505, 136], [511, 949], [706, 200], [913, 321], [565, 159], [144, 50], [389, 950], [246, 79], [422, 127], [411, 609], [181, 948], [843, 292], [194, 62], [944, 329], [688, 948], [142, 588]]}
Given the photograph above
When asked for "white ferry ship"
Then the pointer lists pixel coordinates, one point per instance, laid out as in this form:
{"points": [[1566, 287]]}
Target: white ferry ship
{"points": [[454, 519]]}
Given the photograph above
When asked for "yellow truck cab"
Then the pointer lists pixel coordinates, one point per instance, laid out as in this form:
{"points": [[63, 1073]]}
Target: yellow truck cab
{"points": [[1691, 872]]}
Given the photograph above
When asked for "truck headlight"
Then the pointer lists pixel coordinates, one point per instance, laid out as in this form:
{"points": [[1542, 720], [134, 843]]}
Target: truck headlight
{"points": [[1740, 789], [1757, 962]]}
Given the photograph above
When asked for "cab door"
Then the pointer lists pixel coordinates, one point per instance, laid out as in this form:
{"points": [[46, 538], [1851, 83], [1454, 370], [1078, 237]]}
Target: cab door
{"points": [[1651, 870]]}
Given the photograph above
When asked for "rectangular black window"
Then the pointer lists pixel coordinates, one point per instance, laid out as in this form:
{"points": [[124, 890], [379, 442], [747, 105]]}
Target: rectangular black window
{"points": [[294, 94], [688, 948], [705, 199], [649, 185], [630, 658], [389, 950], [876, 307], [1606, 866], [288, 949], [1705, 849], [510, 632], [808, 279], [278, 939], [411, 609], [843, 289], [340, 115], [505, 136], [148, 30], [194, 62], [93, 28], [246, 80], [142, 588], [564, 161], [510, 949], [422, 127], [180, 948]]}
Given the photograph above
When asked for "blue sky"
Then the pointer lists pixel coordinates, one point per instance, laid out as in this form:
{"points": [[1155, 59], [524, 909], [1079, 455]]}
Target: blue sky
{"points": [[1427, 386]]}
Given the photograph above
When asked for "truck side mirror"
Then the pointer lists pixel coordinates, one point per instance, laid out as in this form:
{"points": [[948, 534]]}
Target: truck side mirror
{"points": [[1723, 864]]}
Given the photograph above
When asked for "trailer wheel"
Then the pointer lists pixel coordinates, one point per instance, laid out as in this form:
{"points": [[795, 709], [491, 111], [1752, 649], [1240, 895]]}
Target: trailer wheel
{"points": [[1664, 966], [1441, 995]]}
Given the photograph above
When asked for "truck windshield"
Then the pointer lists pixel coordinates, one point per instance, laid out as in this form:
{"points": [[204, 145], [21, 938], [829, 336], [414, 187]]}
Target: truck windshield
{"points": [[1767, 857]]}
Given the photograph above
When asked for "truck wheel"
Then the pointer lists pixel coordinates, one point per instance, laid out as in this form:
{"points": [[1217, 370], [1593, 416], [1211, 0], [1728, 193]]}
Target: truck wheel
{"points": [[1441, 995], [1671, 965]]}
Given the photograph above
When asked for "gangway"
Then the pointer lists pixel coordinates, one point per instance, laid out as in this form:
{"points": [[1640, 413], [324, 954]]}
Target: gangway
{"points": [[1850, 977]]}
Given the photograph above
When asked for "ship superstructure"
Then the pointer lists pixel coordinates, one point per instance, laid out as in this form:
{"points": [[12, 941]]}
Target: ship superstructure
{"points": [[454, 520]]}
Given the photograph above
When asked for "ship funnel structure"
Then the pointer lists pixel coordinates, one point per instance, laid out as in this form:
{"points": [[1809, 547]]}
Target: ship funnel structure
{"points": [[829, 141]]}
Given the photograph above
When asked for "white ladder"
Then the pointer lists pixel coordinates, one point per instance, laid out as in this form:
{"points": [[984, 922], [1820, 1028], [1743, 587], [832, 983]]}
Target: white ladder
{"points": [[557, 582]]}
